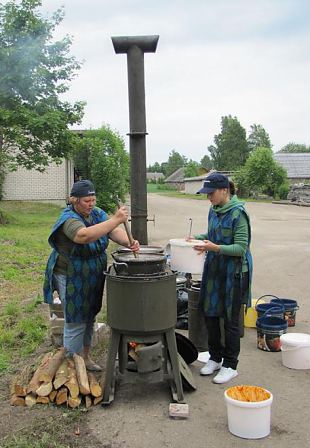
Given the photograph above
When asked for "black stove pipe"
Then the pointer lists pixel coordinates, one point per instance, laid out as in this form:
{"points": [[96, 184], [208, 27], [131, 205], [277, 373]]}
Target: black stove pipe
{"points": [[135, 47]]}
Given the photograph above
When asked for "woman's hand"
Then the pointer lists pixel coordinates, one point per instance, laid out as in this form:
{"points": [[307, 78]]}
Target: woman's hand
{"points": [[121, 215], [206, 246], [135, 246]]}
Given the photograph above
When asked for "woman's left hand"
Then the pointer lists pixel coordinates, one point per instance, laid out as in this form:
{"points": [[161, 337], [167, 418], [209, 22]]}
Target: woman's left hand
{"points": [[135, 246], [207, 246]]}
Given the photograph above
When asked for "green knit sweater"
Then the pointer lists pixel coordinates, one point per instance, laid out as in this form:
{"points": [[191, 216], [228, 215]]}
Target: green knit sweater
{"points": [[241, 237]]}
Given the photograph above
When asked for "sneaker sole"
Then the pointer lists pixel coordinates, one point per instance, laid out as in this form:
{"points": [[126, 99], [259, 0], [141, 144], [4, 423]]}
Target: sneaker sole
{"points": [[223, 382]]}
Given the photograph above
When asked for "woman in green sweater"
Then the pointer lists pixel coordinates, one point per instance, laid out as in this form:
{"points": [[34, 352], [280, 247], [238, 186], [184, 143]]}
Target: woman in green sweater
{"points": [[226, 280]]}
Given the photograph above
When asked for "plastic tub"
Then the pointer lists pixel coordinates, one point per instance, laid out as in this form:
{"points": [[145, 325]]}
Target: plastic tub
{"points": [[249, 420], [295, 349], [270, 309], [184, 258]]}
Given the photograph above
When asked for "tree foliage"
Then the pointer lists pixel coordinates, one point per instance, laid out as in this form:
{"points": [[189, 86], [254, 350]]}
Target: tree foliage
{"points": [[295, 147], [230, 150], [262, 174], [191, 168], [258, 138], [206, 162], [101, 157], [175, 161], [34, 71]]}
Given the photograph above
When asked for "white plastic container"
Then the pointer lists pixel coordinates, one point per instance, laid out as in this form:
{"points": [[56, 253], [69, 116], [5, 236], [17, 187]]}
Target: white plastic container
{"points": [[184, 258], [249, 420], [295, 349]]}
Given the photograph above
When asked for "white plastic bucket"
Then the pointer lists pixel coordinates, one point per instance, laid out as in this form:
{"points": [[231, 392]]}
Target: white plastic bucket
{"points": [[184, 258], [295, 349], [249, 420]]}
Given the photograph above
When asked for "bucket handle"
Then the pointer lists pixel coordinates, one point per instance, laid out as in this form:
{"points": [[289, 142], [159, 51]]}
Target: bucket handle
{"points": [[265, 295], [270, 309]]}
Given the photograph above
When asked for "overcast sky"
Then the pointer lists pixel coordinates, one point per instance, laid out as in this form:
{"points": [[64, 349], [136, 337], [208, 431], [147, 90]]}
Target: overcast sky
{"points": [[246, 58]]}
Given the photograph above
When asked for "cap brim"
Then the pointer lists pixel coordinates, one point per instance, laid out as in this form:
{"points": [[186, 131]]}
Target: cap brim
{"points": [[205, 190]]}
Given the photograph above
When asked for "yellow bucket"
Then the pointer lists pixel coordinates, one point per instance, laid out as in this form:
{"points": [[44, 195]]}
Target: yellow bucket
{"points": [[250, 316]]}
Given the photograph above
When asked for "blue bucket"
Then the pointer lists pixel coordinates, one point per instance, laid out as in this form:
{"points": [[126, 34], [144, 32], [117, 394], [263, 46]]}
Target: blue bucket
{"points": [[290, 308], [269, 330], [270, 309]]}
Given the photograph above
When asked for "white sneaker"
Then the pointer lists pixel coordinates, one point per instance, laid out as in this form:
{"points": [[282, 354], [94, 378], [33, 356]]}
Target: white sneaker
{"points": [[210, 367], [225, 374]]}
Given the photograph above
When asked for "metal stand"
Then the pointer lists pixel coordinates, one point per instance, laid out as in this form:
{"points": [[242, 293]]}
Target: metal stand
{"points": [[169, 368]]}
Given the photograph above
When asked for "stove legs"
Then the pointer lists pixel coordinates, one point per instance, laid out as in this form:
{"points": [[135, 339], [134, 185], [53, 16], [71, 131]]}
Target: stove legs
{"points": [[108, 393], [173, 354]]}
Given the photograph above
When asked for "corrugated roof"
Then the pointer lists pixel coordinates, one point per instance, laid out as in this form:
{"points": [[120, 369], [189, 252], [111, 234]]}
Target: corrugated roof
{"points": [[177, 176], [297, 165]]}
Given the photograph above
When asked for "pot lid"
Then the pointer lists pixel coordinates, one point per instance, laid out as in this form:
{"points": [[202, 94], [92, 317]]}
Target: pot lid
{"points": [[143, 249], [181, 280], [296, 339], [186, 375], [186, 348]]}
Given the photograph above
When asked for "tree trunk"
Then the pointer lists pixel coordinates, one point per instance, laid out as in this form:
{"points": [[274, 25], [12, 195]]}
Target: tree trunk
{"points": [[61, 376], [48, 372], [81, 374], [20, 382], [35, 382], [72, 383], [95, 387]]}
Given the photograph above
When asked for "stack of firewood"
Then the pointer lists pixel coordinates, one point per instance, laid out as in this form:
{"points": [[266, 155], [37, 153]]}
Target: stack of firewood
{"points": [[57, 380]]}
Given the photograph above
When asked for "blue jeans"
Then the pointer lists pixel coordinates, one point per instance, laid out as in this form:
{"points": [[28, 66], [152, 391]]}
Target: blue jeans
{"points": [[76, 336]]}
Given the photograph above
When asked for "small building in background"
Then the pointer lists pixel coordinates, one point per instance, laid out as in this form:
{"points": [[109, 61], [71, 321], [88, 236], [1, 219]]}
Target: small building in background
{"points": [[176, 179], [154, 177], [193, 184], [297, 166], [54, 185]]}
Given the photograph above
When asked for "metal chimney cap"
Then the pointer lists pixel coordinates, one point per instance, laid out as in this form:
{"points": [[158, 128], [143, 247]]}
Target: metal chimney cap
{"points": [[147, 44]]}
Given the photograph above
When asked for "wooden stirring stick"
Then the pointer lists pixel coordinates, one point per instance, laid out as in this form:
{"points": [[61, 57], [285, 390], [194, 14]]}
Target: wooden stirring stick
{"points": [[127, 228]]}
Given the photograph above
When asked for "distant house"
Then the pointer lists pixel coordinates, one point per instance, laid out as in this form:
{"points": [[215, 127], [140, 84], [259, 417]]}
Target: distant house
{"points": [[176, 179], [154, 177], [297, 166], [54, 185], [193, 184]]}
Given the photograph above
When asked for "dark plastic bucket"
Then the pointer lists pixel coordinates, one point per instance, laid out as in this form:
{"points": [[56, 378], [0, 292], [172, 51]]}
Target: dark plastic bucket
{"points": [[290, 308], [269, 330], [270, 310]]}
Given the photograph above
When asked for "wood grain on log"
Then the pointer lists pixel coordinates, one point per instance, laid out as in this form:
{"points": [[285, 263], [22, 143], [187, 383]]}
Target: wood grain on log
{"points": [[48, 372], [81, 374], [61, 376]]}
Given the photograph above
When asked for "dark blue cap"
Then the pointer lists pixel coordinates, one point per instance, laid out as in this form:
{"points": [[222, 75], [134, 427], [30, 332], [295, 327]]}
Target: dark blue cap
{"points": [[214, 182], [82, 188]]}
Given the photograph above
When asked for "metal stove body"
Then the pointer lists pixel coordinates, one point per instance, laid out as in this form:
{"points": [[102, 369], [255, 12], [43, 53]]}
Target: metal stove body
{"points": [[142, 309]]}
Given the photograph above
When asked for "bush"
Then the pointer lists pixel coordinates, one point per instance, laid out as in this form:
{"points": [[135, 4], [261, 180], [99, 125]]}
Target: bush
{"points": [[101, 154], [283, 190]]}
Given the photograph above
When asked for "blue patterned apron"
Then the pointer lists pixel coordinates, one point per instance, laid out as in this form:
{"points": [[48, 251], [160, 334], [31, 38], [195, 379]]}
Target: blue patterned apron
{"points": [[85, 271], [221, 272]]}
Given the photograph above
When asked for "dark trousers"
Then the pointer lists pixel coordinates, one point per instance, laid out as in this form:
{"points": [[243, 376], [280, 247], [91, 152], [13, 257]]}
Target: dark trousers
{"points": [[229, 352]]}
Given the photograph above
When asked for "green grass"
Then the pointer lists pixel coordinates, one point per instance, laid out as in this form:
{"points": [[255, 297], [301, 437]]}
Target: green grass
{"points": [[23, 254]]}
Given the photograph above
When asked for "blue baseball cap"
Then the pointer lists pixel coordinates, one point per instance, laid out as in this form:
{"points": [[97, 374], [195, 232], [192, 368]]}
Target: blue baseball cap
{"points": [[214, 182], [83, 188]]}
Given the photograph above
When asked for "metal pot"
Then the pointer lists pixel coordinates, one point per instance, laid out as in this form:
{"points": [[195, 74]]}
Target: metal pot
{"points": [[142, 250], [144, 264]]}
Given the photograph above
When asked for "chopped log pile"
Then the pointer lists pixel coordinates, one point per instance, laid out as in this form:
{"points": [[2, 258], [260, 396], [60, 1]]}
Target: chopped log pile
{"points": [[57, 380]]}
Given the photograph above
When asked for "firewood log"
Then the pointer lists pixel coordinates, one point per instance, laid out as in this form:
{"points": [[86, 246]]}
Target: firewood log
{"points": [[52, 395], [30, 400], [48, 372], [35, 382], [61, 376], [20, 382], [62, 395], [44, 389], [95, 387], [17, 401], [74, 402], [72, 383], [97, 400], [81, 374], [43, 400], [88, 401]]}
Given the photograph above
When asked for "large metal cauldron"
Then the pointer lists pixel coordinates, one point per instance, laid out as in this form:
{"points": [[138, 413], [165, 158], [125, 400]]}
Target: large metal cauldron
{"points": [[141, 303]]}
